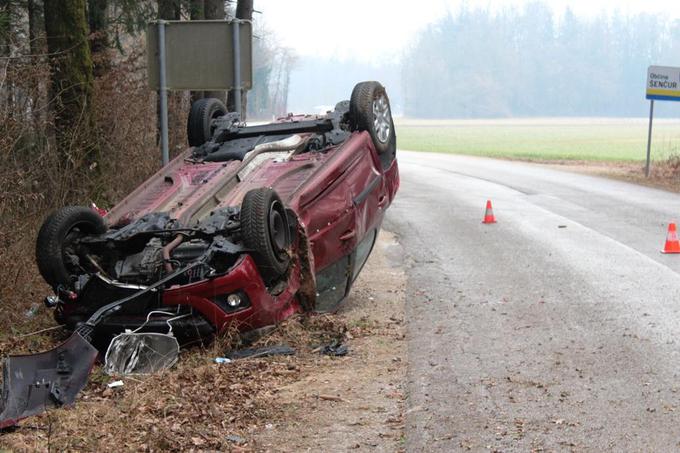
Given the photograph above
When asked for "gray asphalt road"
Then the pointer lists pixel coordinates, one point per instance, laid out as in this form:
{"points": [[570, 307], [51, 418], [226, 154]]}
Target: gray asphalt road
{"points": [[557, 328]]}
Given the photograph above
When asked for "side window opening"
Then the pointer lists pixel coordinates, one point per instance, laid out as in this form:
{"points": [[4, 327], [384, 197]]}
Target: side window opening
{"points": [[331, 285], [362, 252]]}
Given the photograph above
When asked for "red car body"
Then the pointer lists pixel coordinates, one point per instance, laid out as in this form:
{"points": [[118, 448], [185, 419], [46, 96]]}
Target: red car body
{"points": [[249, 226], [339, 197]]}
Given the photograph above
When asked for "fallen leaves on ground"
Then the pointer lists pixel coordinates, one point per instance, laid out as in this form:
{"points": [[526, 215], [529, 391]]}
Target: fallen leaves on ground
{"points": [[197, 405]]}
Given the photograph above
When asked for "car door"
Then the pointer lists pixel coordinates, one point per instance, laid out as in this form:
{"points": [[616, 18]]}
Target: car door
{"points": [[340, 216], [369, 197]]}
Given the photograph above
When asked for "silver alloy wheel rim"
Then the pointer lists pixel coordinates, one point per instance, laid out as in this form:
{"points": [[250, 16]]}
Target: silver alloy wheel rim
{"points": [[382, 119]]}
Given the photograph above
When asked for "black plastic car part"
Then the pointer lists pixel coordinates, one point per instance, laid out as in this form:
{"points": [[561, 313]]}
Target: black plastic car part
{"points": [[33, 383]]}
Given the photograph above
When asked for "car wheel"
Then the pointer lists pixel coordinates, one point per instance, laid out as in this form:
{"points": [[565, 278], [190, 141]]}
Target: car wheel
{"points": [[370, 111], [199, 125], [56, 238], [265, 232]]}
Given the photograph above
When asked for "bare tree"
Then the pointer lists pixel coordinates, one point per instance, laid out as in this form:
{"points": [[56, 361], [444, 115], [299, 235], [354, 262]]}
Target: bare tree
{"points": [[244, 11], [5, 50], [214, 10], [72, 80], [283, 65], [36, 25], [37, 47], [6, 15], [196, 9], [169, 9], [99, 35], [197, 12]]}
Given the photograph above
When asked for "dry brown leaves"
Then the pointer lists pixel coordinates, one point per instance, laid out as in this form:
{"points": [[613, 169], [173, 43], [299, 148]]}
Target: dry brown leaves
{"points": [[198, 405]]}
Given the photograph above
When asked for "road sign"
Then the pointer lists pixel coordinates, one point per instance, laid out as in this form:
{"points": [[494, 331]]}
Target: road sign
{"points": [[200, 55], [663, 83]]}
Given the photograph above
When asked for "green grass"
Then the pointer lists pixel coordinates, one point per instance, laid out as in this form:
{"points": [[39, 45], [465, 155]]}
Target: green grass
{"points": [[592, 139]]}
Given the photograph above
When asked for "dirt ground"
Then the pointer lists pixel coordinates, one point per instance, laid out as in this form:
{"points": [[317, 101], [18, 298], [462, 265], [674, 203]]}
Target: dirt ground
{"points": [[356, 402], [304, 402], [663, 175]]}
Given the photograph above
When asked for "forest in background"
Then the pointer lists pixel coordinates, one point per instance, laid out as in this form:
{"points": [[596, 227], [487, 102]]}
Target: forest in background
{"points": [[529, 62]]}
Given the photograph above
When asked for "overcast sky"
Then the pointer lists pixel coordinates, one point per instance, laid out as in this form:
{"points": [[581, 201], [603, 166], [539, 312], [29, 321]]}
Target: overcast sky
{"points": [[379, 29]]}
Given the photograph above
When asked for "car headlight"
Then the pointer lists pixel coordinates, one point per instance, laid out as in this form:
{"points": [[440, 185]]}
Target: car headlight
{"points": [[233, 300]]}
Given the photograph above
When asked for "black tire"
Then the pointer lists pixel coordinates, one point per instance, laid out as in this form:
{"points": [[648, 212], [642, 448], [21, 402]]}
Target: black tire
{"points": [[199, 125], [363, 118], [56, 236], [265, 231]]}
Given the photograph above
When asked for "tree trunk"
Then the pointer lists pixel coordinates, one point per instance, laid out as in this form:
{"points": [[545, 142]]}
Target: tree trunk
{"points": [[5, 27], [99, 36], [196, 12], [286, 83], [5, 50], [169, 9], [72, 81], [244, 11], [36, 42], [197, 9], [214, 10], [36, 23]]}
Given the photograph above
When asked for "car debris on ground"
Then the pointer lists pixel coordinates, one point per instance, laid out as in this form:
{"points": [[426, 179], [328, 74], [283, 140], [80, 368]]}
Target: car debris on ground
{"points": [[266, 351], [335, 349]]}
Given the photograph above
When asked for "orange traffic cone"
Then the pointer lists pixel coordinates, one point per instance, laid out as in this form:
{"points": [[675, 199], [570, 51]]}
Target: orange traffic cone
{"points": [[488, 215], [672, 243]]}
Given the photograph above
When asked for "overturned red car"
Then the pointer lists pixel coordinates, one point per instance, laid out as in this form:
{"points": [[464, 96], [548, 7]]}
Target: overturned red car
{"points": [[248, 226]]}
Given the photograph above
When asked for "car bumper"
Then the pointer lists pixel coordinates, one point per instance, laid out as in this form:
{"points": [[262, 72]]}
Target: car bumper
{"points": [[259, 308]]}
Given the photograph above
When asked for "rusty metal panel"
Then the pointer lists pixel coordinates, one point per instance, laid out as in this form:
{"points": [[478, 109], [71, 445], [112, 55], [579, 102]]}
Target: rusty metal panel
{"points": [[200, 55]]}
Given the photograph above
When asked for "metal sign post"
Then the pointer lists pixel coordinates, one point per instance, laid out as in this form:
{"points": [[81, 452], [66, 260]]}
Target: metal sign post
{"points": [[649, 137], [236, 42], [663, 84], [163, 93]]}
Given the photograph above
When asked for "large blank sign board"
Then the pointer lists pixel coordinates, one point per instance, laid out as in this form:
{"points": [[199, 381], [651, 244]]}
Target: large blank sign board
{"points": [[200, 55]]}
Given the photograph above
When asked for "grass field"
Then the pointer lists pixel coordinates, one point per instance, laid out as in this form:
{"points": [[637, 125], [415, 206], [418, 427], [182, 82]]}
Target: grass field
{"points": [[551, 139]]}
